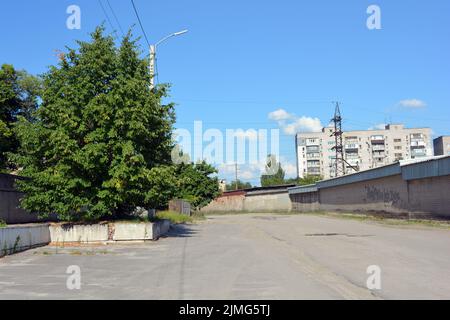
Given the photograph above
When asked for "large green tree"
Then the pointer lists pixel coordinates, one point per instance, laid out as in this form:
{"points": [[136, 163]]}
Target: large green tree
{"points": [[100, 132], [19, 93]]}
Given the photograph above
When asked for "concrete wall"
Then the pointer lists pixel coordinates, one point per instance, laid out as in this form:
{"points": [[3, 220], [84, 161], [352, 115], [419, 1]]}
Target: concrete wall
{"points": [[415, 189], [430, 196], [125, 231], [18, 238], [254, 201], [62, 233], [231, 203], [105, 232], [306, 202], [271, 202], [389, 194], [23, 237], [9, 202]]}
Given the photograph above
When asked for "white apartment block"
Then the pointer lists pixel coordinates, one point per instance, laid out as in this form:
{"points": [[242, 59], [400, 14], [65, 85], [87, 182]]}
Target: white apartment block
{"points": [[363, 150]]}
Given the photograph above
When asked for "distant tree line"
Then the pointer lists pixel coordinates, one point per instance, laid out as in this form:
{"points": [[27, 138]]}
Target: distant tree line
{"points": [[274, 176]]}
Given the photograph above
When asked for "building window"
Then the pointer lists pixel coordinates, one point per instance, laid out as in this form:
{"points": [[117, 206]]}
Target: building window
{"points": [[397, 140]]}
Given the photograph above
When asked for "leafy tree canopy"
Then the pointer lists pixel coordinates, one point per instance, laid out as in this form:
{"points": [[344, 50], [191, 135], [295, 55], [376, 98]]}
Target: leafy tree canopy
{"points": [[100, 134], [19, 93]]}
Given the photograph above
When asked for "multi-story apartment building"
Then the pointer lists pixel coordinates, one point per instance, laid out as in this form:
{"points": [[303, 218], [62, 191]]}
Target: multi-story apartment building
{"points": [[363, 150], [442, 146]]}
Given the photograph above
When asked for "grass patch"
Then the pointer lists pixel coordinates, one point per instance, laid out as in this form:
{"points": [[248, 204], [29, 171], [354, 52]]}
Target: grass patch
{"points": [[197, 215], [2, 224], [174, 217]]}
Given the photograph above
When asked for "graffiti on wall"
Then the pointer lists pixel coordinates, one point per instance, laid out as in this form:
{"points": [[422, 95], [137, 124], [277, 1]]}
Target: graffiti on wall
{"points": [[383, 195]]}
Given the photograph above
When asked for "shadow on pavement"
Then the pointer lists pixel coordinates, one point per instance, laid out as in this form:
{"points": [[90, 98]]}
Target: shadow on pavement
{"points": [[180, 231]]}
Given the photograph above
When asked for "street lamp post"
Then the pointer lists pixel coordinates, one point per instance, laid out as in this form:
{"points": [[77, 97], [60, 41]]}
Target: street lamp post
{"points": [[153, 55]]}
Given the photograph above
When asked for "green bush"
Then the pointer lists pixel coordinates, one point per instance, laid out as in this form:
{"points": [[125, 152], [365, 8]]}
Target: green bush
{"points": [[2, 223]]}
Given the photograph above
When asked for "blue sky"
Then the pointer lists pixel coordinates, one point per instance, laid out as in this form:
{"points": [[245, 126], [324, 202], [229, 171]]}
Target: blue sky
{"points": [[242, 60]]}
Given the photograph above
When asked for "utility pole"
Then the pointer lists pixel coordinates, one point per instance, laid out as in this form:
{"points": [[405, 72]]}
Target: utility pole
{"points": [[236, 171], [153, 55], [339, 164], [152, 66]]}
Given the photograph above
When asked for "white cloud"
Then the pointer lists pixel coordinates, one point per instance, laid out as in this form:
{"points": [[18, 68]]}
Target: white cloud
{"points": [[380, 126], [290, 168], [291, 124], [246, 172], [248, 175], [280, 115], [303, 124], [412, 103]]}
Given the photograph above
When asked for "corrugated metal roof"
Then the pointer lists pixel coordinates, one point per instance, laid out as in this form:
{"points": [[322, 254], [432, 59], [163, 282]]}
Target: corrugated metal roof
{"points": [[303, 189], [386, 171], [410, 170], [271, 191], [427, 169]]}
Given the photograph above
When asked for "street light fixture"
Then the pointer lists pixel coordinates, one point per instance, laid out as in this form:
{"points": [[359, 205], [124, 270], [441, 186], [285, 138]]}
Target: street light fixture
{"points": [[153, 55]]}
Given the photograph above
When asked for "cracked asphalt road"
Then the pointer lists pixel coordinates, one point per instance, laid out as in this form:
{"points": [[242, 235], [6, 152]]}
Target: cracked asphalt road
{"points": [[244, 257]]}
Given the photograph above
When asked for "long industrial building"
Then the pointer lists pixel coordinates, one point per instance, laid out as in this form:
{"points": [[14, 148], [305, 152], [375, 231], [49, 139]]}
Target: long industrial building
{"points": [[363, 150]]}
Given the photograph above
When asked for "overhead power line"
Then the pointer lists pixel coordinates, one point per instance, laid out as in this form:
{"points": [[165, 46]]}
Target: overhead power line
{"points": [[107, 18], [140, 22], [115, 17]]}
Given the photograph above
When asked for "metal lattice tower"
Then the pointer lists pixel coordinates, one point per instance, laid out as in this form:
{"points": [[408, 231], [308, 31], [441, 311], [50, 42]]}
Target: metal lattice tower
{"points": [[339, 161]]}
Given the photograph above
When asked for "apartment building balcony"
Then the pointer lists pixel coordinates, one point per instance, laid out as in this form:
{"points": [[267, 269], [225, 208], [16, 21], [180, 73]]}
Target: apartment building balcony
{"points": [[418, 136], [313, 156], [313, 171], [418, 143], [352, 157], [312, 149], [351, 147], [353, 162], [313, 163], [378, 154], [419, 152], [378, 148], [351, 141], [377, 140]]}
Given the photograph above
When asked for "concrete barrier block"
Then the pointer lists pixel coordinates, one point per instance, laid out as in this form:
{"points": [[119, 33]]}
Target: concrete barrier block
{"points": [[61, 233], [19, 238], [126, 231], [129, 231]]}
